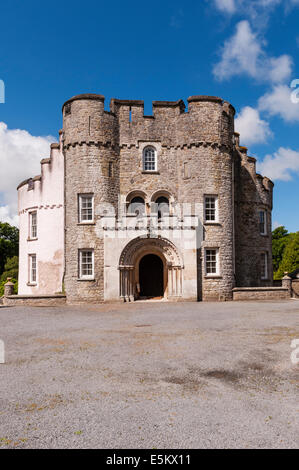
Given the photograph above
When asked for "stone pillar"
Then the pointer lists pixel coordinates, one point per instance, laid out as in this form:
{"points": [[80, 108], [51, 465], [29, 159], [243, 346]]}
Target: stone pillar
{"points": [[8, 287], [287, 283]]}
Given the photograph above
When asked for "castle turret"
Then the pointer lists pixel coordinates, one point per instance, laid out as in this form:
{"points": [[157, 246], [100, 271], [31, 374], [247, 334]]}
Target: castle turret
{"points": [[91, 179]]}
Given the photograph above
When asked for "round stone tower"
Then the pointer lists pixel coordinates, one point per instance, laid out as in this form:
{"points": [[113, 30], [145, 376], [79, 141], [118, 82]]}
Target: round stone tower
{"points": [[90, 142], [205, 140]]}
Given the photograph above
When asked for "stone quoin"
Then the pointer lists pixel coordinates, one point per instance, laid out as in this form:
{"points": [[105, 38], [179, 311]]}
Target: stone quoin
{"points": [[129, 206]]}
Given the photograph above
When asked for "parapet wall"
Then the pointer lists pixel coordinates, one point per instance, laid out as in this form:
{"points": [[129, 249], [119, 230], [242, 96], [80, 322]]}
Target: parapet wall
{"points": [[43, 194], [208, 119]]}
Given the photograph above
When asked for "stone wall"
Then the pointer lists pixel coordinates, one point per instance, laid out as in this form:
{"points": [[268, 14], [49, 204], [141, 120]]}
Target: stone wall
{"points": [[295, 288], [34, 301], [43, 194], [261, 293], [252, 193], [201, 137]]}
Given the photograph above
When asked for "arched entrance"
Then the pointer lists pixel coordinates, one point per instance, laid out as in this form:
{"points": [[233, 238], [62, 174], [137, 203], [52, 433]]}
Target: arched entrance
{"points": [[151, 276], [156, 257]]}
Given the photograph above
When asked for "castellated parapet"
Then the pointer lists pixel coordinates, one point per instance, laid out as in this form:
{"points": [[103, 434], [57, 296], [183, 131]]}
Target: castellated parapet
{"points": [[197, 159]]}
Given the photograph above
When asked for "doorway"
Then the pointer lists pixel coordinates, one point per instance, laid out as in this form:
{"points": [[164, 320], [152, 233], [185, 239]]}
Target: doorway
{"points": [[151, 276]]}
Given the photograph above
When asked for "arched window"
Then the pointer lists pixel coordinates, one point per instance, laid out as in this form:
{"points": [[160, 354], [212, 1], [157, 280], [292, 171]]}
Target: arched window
{"points": [[137, 206], [149, 159], [162, 204]]}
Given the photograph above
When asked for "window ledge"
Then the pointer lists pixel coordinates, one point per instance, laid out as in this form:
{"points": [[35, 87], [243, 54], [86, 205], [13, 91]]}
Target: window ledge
{"points": [[150, 172], [32, 239], [213, 276], [213, 223], [88, 280], [86, 223], [32, 284], [264, 234]]}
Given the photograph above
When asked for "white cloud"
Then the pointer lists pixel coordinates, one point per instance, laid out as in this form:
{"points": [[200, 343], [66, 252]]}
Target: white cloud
{"points": [[20, 155], [278, 102], [276, 224], [280, 166], [251, 127], [227, 6], [280, 68], [243, 54], [5, 216], [254, 9]]}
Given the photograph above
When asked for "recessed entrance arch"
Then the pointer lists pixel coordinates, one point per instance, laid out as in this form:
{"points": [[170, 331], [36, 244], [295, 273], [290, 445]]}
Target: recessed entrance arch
{"points": [[131, 260], [151, 276]]}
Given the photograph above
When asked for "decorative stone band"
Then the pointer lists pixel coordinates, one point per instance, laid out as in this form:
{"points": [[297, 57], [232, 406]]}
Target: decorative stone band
{"points": [[108, 144], [52, 206]]}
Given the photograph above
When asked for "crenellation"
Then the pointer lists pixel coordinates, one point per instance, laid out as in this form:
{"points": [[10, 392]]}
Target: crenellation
{"points": [[196, 155]]}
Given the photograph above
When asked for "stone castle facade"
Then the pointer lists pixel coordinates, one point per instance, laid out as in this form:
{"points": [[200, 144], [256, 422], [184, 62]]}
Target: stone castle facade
{"points": [[129, 206]]}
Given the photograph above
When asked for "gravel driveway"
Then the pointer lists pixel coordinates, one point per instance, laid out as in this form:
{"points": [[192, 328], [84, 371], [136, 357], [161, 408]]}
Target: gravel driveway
{"points": [[150, 375]]}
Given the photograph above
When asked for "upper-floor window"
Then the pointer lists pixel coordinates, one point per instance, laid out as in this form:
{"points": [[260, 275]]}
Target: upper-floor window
{"points": [[162, 205], [211, 209], [263, 222], [149, 159], [86, 264], [137, 206], [32, 269], [110, 169], [33, 224], [264, 265], [86, 209]]}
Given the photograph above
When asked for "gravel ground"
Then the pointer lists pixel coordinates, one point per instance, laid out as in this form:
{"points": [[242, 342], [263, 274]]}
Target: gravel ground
{"points": [[150, 375]]}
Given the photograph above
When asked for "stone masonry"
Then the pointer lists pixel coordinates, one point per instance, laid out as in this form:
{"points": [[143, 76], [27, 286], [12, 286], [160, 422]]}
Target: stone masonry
{"points": [[198, 154]]}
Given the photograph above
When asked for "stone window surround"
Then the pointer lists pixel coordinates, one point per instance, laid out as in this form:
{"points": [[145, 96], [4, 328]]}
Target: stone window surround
{"points": [[85, 277], [79, 199], [211, 222], [148, 200], [32, 282], [265, 276], [265, 232], [216, 275], [156, 145], [32, 227]]}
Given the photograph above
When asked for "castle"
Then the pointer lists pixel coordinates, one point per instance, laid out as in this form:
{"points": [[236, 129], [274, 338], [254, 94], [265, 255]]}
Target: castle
{"points": [[130, 206]]}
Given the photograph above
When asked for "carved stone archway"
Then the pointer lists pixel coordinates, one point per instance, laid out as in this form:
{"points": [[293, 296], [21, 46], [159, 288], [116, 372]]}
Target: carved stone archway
{"points": [[129, 266]]}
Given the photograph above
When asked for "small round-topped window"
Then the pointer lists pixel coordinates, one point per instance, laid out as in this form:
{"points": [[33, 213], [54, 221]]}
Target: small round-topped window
{"points": [[149, 159], [137, 206]]}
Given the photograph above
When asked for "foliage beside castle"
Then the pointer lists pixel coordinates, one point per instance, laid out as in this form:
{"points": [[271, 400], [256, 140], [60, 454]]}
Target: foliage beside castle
{"points": [[130, 206]]}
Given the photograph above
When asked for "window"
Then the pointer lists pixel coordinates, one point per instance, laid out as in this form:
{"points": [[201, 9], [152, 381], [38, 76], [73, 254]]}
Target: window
{"points": [[137, 206], [162, 206], [33, 224], [264, 265], [85, 208], [187, 173], [32, 269], [211, 208], [68, 109], [211, 262], [263, 222], [110, 169], [149, 159], [86, 264]]}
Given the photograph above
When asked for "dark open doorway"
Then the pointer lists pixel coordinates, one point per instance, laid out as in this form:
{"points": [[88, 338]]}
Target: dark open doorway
{"points": [[151, 276]]}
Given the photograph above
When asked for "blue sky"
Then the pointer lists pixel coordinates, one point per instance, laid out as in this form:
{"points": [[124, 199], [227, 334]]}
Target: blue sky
{"points": [[244, 51]]}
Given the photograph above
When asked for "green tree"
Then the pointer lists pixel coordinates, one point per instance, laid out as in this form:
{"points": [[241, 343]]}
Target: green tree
{"points": [[290, 260], [11, 269], [9, 243], [279, 232], [280, 239]]}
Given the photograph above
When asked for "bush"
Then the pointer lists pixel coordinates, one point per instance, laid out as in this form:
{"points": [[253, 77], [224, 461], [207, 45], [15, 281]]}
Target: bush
{"points": [[11, 269]]}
